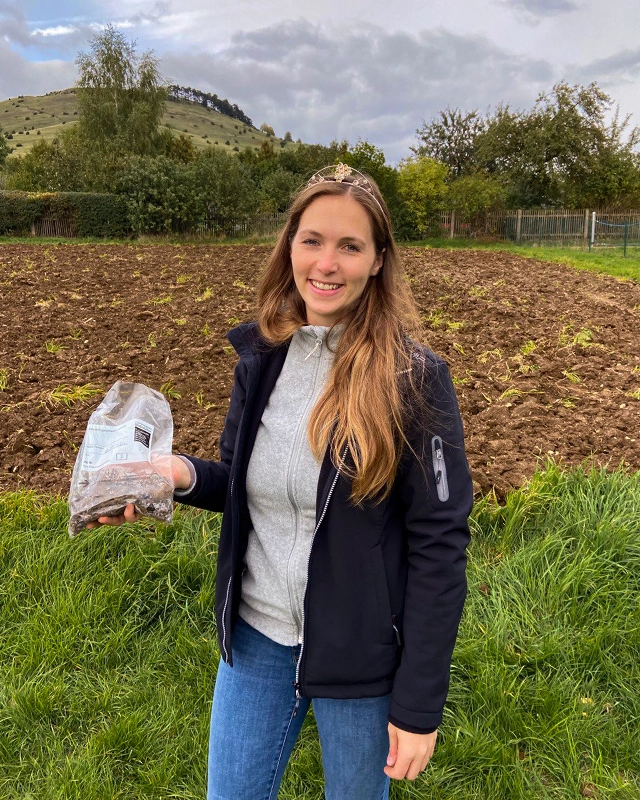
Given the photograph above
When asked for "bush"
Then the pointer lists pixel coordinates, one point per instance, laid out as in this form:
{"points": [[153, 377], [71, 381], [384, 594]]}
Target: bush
{"points": [[95, 215]]}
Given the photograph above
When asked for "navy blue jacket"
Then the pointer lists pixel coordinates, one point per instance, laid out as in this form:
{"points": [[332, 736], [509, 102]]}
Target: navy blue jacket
{"points": [[386, 582]]}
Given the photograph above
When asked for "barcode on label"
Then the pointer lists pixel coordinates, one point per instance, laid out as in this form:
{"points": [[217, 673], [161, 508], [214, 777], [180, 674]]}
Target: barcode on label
{"points": [[142, 436]]}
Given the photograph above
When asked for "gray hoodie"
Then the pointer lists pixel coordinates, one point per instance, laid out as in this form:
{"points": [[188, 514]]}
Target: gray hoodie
{"points": [[282, 480]]}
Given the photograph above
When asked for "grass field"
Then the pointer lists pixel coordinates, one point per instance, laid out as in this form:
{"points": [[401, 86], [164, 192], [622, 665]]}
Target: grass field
{"points": [[108, 654], [31, 119]]}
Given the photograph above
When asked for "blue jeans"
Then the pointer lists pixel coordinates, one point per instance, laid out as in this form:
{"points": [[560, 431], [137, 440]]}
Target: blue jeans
{"points": [[254, 728]]}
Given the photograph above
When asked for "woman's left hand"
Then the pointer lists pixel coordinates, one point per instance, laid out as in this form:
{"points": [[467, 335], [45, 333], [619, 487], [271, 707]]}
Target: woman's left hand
{"points": [[409, 753]]}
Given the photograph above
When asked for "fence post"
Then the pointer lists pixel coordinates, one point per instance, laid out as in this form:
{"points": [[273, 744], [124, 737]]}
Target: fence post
{"points": [[593, 230], [586, 224], [519, 225], [452, 224]]}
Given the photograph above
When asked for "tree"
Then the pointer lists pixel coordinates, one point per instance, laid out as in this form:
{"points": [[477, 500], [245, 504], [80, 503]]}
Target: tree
{"points": [[267, 129], [563, 152], [277, 190], [5, 149], [121, 96], [451, 138], [422, 183]]}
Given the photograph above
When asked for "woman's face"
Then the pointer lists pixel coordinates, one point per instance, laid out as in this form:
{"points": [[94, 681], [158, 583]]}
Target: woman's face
{"points": [[333, 256]]}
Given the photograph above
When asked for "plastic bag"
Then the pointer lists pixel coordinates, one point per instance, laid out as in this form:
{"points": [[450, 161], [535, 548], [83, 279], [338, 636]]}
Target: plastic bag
{"points": [[125, 457]]}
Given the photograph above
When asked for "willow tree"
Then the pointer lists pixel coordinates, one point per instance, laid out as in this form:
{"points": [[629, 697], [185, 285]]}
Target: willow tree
{"points": [[121, 95]]}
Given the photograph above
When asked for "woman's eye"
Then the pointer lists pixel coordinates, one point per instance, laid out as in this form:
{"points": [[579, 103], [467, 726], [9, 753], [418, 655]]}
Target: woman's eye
{"points": [[353, 248], [309, 241]]}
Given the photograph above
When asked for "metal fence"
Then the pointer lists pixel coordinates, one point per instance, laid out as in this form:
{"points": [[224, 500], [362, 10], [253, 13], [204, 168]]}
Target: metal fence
{"points": [[551, 225]]}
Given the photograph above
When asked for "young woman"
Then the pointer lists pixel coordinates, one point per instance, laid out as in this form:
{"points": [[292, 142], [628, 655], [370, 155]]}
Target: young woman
{"points": [[346, 493]]}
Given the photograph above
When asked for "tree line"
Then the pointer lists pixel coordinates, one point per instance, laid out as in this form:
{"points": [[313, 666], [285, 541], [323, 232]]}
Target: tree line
{"points": [[212, 101], [571, 149]]}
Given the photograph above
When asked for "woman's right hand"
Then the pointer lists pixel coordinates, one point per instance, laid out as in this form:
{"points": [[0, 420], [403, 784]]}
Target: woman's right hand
{"points": [[181, 480]]}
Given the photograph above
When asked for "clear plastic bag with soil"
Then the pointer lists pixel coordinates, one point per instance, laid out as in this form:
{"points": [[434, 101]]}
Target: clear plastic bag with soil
{"points": [[125, 457]]}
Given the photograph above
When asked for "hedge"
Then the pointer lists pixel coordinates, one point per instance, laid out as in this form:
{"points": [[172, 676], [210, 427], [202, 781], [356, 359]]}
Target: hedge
{"points": [[94, 215]]}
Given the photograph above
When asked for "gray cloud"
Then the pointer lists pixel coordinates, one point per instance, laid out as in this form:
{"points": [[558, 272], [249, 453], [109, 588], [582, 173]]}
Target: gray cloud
{"points": [[323, 83], [543, 8], [620, 67]]}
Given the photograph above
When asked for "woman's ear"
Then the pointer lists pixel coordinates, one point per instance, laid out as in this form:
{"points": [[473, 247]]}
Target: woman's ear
{"points": [[377, 264]]}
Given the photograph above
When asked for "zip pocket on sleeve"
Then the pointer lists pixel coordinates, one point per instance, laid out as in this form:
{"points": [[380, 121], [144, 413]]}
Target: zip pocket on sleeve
{"points": [[439, 469]]}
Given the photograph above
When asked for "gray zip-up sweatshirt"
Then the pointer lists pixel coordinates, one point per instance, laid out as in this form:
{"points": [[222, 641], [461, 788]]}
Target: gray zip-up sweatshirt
{"points": [[282, 480]]}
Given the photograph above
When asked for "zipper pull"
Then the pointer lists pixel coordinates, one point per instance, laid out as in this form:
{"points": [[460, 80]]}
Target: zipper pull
{"points": [[317, 344], [296, 687], [396, 631]]}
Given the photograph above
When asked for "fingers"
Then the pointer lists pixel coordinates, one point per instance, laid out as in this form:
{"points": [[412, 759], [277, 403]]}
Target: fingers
{"points": [[409, 753], [393, 746], [130, 515]]}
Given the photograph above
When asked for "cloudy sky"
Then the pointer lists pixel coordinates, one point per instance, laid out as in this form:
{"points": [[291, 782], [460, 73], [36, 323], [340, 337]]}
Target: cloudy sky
{"points": [[374, 69]]}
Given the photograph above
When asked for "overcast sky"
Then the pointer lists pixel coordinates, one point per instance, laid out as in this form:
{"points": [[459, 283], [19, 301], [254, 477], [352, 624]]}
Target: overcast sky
{"points": [[371, 69]]}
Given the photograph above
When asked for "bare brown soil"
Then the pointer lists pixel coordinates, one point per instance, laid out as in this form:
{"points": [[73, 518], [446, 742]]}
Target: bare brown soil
{"points": [[545, 359]]}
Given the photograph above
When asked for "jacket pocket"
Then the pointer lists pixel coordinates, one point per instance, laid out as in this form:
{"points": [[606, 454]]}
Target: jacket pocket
{"points": [[439, 469], [385, 616]]}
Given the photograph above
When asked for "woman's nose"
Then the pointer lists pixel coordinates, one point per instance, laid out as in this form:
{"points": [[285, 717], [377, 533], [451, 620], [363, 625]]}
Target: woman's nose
{"points": [[328, 261]]}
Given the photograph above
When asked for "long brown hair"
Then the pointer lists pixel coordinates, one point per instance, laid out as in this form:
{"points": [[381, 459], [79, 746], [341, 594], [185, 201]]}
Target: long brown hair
{"points": [[365, 405]]}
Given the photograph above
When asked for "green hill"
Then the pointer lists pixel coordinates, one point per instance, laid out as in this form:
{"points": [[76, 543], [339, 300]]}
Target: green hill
{"points": [[30, 119]]}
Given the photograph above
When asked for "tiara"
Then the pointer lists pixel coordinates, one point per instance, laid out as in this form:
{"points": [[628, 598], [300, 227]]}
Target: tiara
{"points": [[343, 172]]}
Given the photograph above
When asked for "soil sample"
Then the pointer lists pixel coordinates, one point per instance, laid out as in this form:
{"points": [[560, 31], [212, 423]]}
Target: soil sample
{"points": [[125, 457]]}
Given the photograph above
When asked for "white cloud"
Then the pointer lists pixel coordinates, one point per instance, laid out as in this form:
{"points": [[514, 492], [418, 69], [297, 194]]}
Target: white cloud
{"points": [[58, 30]]}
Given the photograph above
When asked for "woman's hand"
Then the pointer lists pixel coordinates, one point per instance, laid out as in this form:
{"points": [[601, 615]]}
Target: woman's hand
{"points": [[130, 515], [409, 753], [181, 480]]}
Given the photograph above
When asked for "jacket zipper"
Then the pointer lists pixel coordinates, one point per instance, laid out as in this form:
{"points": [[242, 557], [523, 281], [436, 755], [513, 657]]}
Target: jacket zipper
{"points": [[296, 683], [290, 483], [226, 601], [439, 468]]}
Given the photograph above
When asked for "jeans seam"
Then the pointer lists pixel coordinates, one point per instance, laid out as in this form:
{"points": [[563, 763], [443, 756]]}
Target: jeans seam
{"points": [[284, 741]]}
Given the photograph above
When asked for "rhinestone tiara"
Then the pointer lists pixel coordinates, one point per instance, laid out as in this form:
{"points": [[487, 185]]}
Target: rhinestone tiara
{"points": [[343, 172]]}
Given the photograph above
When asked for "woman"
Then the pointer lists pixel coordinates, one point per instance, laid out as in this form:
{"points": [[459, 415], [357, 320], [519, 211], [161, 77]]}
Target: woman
{"points": [[346, 492]]}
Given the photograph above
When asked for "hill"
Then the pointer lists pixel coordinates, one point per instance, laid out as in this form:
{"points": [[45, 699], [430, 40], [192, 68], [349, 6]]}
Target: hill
{"points": [[28, 119]]}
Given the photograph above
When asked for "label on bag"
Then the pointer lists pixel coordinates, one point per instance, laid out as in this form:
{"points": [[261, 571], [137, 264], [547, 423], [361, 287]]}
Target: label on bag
{"points": [[117, 444]]}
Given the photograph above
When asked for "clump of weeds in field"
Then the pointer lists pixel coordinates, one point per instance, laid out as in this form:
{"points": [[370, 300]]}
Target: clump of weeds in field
{"points": [[569, 337], [571, 376], [206, 331], [159, 301], [4, 380], [437, 319], [487, 354], [75, 333], [68, 394], [478, 291], [45, 303], [169, 390], [233, 321], [199, 398], [183, 278], [206, 295], [51, 346], [241, 285], [180, 321], [635, 395]]}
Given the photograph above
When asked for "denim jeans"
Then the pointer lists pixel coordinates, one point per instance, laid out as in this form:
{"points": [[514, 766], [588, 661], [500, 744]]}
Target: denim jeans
{"points": [[254, 727]]}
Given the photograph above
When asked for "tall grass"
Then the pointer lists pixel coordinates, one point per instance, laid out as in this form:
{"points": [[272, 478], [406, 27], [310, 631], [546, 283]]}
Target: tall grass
{"points": [[108, 654]]}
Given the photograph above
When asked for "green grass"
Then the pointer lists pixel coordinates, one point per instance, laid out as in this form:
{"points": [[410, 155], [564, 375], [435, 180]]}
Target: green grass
{"points": [[37, 118], [108, 654]]}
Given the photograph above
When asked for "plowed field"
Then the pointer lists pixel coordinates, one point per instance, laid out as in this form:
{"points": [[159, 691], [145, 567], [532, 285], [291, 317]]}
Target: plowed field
{"points": [[546, 360]]}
